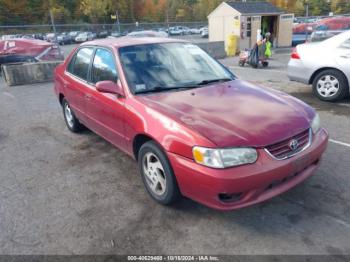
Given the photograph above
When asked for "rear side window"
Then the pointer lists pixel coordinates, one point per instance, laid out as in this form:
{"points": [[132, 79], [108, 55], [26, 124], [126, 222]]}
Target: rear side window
{"points": [[79, 65], [103, 67]]}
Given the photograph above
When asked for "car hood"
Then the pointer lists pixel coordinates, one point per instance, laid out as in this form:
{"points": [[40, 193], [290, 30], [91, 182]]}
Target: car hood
{"points": [[236, 113]]}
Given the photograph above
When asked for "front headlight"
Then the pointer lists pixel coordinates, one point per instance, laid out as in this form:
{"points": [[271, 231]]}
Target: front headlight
{"points": [[316, 124], [223, 158]]}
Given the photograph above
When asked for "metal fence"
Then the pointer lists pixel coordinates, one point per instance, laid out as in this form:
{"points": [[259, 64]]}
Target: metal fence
{"points": [[121, 28]]}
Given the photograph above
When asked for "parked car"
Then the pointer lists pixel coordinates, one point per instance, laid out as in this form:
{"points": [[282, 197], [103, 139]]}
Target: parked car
{"points": [[7, 37], [195, 31], [50, 37], [205, 32], [64, 39], [148, 34], [102, 34], [38, 36], [298, 39], [73, 35], [28, 50], [174, 31], [325, 65], [115, 35], [83, 37], [318, 36], [193, 127]]}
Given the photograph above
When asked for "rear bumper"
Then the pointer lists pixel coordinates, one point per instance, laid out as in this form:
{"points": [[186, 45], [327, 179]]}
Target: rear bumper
{"points": [[298, 72], [250, 184]]}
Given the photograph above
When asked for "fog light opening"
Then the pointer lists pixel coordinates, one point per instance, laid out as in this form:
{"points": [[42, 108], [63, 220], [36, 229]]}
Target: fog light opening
{"points": [[229, 198]]}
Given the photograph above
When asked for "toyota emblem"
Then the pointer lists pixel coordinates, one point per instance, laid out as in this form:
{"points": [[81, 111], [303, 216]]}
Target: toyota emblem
{"points": [[294, 144]]}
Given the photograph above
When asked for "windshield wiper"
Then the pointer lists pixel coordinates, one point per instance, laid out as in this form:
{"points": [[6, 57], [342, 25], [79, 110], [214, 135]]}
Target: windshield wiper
{"points": [[210, 81], [158, 89]]}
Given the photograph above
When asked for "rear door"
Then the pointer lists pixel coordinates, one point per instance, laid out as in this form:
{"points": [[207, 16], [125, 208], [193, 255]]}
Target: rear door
{"points": [[75, 82], [105, 112], [343, 58]]}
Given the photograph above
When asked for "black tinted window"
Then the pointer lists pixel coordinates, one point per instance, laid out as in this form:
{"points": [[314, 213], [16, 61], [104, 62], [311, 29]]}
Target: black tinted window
{"points": [[103, 67], [80, 63]]}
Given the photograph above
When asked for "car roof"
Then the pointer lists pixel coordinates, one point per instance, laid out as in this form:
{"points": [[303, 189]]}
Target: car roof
{"points": [[131, 41]]}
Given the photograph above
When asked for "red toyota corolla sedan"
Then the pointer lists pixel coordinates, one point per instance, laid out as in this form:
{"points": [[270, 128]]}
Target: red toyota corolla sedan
{"points": [[194, 128]]}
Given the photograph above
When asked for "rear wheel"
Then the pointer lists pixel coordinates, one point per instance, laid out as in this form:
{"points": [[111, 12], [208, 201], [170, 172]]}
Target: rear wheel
{"points": [[72, 122], [330, 85], [157, 174]]}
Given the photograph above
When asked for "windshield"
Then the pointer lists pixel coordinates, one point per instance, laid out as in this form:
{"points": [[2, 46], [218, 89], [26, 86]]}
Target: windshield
{"points": [[169, 66]]}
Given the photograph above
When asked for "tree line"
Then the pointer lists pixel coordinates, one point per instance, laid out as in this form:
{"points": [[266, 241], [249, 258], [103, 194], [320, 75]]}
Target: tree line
{"points": [[21, 12]]}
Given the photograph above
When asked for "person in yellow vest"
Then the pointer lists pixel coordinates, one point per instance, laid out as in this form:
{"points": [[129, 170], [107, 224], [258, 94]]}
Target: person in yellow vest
{"points": [[268, 45]]}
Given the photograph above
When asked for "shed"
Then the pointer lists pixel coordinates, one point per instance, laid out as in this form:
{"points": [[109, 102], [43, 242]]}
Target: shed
{"points": [[243, 19]]}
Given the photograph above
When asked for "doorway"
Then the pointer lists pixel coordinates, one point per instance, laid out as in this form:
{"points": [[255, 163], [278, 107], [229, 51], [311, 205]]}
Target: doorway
{"points": [[269, 25]]}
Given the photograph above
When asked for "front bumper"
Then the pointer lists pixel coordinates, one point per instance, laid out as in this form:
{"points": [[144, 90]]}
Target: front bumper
{"points": [[249, 184]]}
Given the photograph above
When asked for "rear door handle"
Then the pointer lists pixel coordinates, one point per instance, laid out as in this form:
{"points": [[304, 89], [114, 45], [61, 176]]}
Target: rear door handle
{"points": [[88, 96], [345, 56]]}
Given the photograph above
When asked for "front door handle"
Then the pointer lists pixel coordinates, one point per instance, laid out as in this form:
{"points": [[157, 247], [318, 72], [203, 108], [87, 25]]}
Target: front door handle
{"points": [[345, 56]]}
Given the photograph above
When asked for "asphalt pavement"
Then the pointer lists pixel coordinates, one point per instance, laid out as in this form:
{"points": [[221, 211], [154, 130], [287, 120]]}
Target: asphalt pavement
{"points": [[62, 193]]}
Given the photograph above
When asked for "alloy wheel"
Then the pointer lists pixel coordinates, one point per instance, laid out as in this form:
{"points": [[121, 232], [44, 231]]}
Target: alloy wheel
{"points": [[154, 173], [69, 115], [328, 86]]}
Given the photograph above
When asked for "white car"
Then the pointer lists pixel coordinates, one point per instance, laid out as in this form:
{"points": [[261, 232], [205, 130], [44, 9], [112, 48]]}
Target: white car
{"points": [[176, 30], [83, 37], [325, 65], [204, 32], [149, 33], [195, 31]]}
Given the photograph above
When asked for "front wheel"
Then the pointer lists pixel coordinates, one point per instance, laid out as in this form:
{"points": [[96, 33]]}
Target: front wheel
{"points": [[330, 85], [157, 174]]}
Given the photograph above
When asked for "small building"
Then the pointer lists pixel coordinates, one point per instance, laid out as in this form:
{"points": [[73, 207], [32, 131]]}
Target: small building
{"points": [[243, 19]]}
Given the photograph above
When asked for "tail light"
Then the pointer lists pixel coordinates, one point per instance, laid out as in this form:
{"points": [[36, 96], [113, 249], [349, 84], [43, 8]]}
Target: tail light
{"points": [[295, 54]]}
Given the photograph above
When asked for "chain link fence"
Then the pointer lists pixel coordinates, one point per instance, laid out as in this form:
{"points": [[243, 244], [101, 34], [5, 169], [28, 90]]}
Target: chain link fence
{"points": [[122, 28]]}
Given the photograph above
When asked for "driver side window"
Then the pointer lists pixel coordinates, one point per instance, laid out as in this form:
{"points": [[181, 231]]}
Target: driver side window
{"points": [[103, 67]]}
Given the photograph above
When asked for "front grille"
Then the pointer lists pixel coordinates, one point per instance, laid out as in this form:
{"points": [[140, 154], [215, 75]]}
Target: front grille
{"points": [[283, 150]]}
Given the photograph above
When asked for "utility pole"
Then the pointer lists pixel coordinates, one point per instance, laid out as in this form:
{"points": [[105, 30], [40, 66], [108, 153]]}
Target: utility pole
{"points": [[167, 14], [306, 18], [55, 32], [118, 23], [53, 26]]}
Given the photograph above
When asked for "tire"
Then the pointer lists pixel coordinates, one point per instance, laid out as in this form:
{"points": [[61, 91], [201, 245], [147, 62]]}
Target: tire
{"points": [[165, 190], [330, 85], [241, 63], [72, 122], [265, 64]]}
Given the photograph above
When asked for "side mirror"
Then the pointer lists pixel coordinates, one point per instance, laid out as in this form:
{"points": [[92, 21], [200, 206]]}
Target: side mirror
{"points": [[110, 87]]}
